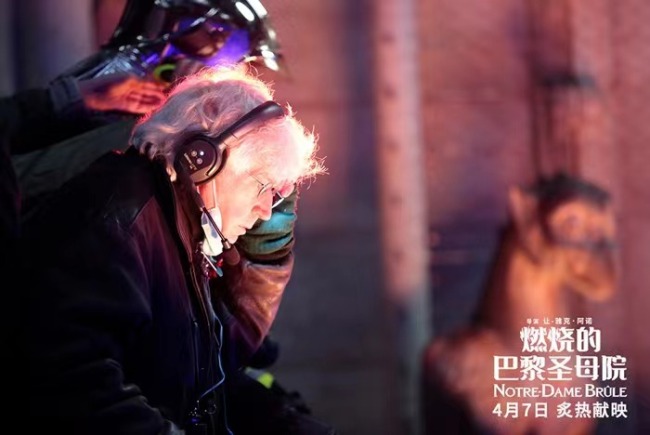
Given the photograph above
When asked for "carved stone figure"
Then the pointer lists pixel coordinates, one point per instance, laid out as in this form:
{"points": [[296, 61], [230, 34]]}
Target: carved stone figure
{"points": [[557, 248]]}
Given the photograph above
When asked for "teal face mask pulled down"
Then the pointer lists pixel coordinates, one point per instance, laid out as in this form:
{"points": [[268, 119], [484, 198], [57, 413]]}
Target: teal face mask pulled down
{"points": [[272, 240]]}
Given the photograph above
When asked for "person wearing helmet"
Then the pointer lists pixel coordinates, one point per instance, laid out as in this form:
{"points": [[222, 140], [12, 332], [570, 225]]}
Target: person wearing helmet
{"points": [[154, 41]]}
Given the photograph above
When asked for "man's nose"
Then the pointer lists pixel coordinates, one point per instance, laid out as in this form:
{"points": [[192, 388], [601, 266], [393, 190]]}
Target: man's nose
{"points": [[263, 208]]}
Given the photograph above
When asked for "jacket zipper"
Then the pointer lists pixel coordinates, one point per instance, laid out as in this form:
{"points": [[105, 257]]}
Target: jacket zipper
{"points": [[198, 291]]}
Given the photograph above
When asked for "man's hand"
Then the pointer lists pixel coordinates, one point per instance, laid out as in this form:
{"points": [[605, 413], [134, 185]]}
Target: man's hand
{"points": [[122, 93]]}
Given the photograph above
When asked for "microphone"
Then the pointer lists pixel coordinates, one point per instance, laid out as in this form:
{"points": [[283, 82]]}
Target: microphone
{"points": [[230, 254]]}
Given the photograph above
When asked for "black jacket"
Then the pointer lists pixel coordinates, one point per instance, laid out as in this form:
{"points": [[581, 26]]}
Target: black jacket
{"points": [[28, 120], [124, 335]]}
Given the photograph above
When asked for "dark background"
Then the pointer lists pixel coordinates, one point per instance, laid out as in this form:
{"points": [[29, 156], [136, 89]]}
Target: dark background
{"points": [[481, 67]]}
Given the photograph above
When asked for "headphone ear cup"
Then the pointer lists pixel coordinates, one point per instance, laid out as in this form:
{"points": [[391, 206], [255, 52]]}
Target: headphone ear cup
{"points": [[201, 158]]}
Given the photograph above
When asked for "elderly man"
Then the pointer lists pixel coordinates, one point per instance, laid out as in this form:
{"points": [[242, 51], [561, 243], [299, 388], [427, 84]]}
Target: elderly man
{"points": [[124, 332]]}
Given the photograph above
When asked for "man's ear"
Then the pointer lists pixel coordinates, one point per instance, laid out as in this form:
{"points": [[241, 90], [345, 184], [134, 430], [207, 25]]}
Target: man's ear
{"points": [[523, 207]]}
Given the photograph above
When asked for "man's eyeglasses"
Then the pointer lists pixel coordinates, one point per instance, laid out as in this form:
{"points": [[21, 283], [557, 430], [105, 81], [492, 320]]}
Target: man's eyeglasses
{"points": [[264, 187]]}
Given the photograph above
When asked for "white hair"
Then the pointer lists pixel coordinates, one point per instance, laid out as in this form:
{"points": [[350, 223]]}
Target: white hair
{"points": [[209, 102]]}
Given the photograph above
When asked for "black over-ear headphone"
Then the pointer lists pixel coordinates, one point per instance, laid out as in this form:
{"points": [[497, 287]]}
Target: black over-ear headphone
{"points": [[202, 157]]}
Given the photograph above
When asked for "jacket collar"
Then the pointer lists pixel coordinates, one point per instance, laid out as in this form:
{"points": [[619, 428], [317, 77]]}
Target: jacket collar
{"points": [[178, 204]]}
